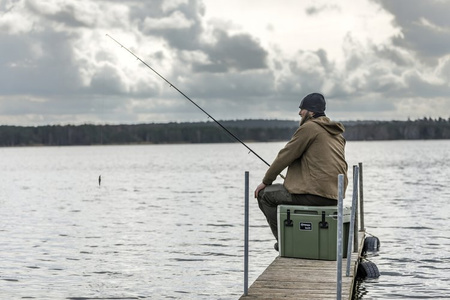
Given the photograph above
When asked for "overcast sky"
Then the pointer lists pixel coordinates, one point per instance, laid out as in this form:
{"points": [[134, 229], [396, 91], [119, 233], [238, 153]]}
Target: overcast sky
{"points": [[372, 59]]}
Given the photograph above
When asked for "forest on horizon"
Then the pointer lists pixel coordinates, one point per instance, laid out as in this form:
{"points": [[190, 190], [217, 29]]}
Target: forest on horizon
{"points": [[210, 132]]}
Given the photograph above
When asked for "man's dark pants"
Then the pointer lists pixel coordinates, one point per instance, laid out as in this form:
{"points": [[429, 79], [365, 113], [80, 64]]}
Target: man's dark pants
{"points": [[276, 194]]}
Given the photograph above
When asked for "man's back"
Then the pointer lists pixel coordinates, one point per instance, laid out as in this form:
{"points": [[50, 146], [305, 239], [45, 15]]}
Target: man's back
{"points": [[320, 158]]}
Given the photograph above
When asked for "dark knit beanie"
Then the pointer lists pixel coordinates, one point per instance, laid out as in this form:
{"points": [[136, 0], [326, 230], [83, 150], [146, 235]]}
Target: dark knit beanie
{"points": [[314, 102]]}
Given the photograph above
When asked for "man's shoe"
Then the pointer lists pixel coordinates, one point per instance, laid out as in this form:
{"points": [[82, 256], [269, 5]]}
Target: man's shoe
{"points": [[276, 246]]}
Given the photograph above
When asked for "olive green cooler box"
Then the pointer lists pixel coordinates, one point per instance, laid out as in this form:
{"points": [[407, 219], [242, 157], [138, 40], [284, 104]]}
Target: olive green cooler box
{"points": [[311, 231]]}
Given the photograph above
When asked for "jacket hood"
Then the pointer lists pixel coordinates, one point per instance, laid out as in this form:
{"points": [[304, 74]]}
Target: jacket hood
{"points": [[333, 128]]}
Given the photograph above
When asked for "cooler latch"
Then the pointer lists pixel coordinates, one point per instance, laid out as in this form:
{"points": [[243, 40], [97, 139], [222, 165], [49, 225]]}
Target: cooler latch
{"points": [[323, 224], [288, 222]]}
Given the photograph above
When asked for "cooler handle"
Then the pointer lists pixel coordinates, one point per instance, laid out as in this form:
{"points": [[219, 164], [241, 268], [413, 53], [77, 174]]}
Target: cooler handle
{"points": [[323, 224], [288, 222]]}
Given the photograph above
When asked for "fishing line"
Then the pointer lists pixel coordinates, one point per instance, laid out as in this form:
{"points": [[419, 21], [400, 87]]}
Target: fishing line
{"points": [[211, 117]]}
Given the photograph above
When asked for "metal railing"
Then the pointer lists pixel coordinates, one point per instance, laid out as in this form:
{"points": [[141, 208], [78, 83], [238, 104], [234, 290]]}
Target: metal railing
{"points": [[246, 217], [353, 234], [340, 233], [353, 229]]}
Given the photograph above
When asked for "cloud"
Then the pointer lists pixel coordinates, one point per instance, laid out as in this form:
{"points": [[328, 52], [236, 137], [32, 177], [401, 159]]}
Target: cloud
{"points": [[317, 9], [40, 64], [425, 26], [374, 59], [175, 21], [232, 53]]}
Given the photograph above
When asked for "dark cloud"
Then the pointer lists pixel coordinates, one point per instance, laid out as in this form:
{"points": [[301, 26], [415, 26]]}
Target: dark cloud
{"points": [[39, 63], [424, 24], [233, 53], [418, 86], [178, 35], [65, 15], [107, 81], [395, 55], [317, 9]]}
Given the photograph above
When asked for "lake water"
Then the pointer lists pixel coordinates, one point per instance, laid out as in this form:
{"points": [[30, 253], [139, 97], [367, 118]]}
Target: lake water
{"points": [[167, 220]]}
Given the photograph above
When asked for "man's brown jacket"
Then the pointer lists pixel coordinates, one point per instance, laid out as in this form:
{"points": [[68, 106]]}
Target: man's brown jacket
{"points": [[315, 156]]}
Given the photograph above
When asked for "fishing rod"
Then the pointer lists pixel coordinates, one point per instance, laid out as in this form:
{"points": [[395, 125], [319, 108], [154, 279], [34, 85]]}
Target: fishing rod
{"points": [[211, 117]]}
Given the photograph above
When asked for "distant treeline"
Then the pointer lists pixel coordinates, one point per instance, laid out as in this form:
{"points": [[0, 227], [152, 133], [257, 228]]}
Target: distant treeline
{"points": [[210, 132]]}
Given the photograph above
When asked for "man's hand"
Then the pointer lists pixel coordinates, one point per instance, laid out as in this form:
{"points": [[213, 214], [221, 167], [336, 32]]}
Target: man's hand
{"points": [[260, 187]]}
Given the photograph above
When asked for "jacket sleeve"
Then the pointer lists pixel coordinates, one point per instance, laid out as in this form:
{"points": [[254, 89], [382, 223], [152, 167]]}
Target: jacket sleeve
{"points": [[293, 150]]}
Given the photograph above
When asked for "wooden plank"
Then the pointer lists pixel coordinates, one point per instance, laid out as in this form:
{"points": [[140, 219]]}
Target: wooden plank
{"points": [[293, 278]]}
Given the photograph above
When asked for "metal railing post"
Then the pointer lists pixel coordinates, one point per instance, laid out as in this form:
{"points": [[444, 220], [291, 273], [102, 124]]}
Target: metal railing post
{"points": [[356, 221], [361, 198], [339, 239], [353, 232], [246, 227]]}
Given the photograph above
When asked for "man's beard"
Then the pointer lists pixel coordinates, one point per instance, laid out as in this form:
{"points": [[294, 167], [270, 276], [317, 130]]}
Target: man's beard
{"points": [[305, 118]]}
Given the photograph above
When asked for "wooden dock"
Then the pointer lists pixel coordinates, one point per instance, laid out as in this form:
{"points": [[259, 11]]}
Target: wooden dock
{"points": [[293, 278]]}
